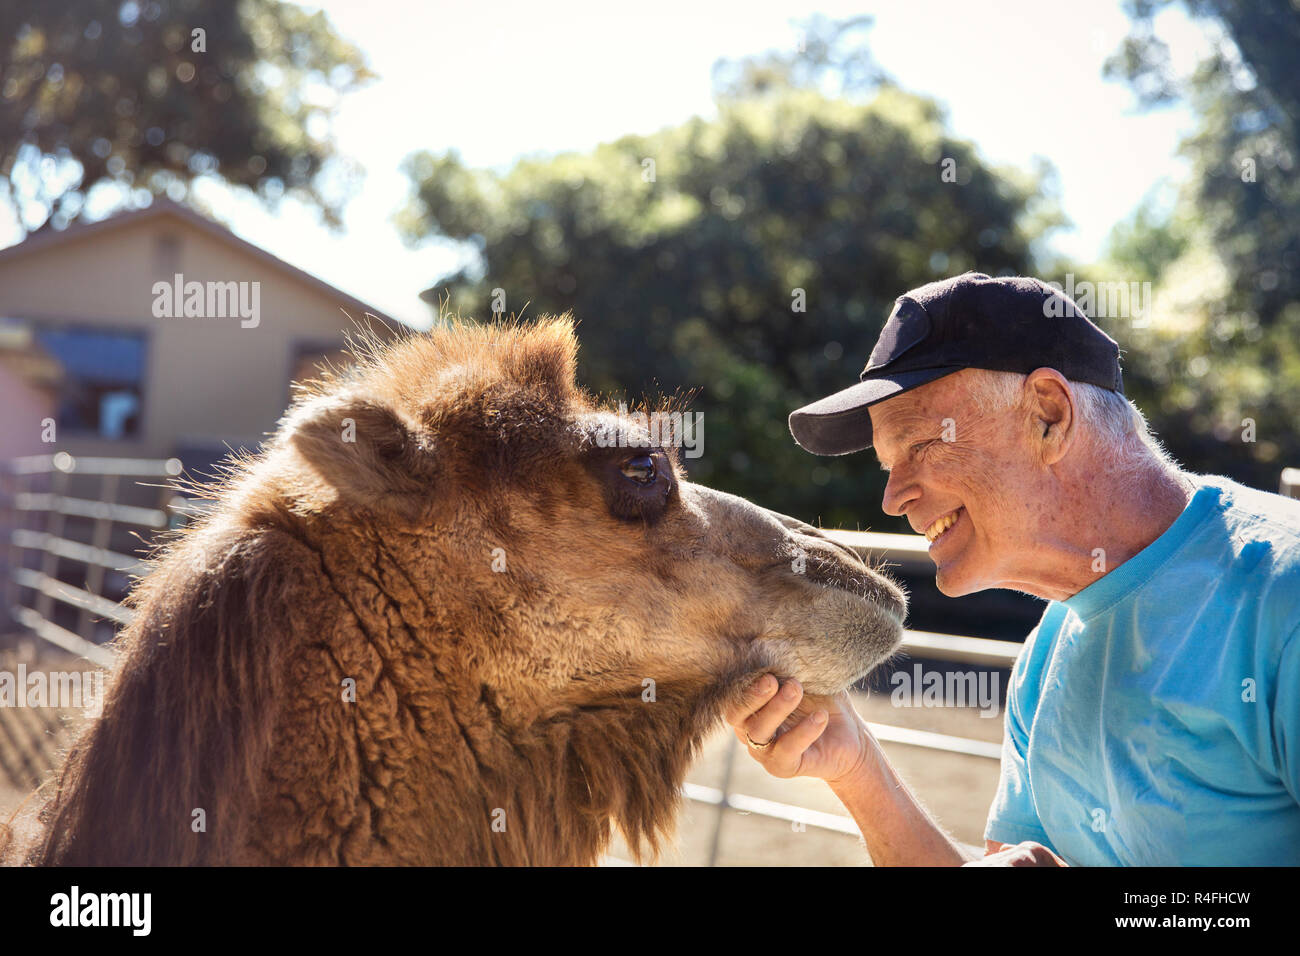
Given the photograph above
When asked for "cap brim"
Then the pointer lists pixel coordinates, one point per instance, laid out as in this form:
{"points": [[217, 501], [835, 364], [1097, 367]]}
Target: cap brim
{"points": [[841, 423]]}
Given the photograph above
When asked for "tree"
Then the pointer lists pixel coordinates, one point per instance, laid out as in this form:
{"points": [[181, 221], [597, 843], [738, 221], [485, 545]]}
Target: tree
{"points": [[152, 95], [1222, 360], [752, 259]]}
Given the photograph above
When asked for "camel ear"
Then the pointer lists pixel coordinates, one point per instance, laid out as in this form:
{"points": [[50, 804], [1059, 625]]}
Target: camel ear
{"points": [[366, 453]]}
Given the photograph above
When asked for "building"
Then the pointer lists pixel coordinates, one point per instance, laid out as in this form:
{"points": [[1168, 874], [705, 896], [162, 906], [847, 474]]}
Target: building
{"points": [[92, 327], [30, 383]]}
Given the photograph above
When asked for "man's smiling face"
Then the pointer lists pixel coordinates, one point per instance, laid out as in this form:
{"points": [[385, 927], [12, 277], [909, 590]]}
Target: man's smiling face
{"points": [[964, 477]]}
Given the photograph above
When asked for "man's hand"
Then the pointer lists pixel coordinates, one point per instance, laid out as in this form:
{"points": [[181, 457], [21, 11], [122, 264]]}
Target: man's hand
{"points": [[1022, 854], [824, 736]]}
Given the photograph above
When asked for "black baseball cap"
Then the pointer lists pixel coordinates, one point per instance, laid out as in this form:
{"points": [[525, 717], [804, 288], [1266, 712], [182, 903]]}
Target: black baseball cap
{"points": [[1012, 324]]}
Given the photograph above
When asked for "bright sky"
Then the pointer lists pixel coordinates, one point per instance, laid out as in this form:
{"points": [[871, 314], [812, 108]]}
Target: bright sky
{"points": [[497, 79]]}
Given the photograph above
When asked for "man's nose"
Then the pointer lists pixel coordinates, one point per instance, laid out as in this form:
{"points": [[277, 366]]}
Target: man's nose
{"points": [[900, 491]]}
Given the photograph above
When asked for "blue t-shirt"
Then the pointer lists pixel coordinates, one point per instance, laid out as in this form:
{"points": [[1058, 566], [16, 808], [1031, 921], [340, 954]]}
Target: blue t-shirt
{"points": [[1154, 717]]}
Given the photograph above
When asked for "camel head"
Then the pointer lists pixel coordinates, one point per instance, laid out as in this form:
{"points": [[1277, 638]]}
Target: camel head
{"points": [[583, 560]]}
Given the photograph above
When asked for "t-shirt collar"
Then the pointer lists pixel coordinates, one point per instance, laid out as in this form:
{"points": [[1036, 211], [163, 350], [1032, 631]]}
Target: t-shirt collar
{"points": [[1107, 590]]}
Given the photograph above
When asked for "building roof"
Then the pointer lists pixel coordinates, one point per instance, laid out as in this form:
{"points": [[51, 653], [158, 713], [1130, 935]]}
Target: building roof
{"points": [[162, 207]]}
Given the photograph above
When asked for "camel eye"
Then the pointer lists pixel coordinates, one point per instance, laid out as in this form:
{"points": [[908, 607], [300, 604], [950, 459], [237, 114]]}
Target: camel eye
{"points": [[640, 469], [638, 484]]}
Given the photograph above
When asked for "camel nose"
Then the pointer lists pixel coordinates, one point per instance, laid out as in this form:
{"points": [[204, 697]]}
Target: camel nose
{"points": [[884, 590]]}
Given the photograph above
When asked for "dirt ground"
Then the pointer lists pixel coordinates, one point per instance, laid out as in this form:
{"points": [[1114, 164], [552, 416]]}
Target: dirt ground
{"points": [[956, 788], [32, 739]]}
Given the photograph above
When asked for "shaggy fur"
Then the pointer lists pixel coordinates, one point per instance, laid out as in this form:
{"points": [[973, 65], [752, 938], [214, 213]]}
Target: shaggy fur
{"points": [[537, 643]]}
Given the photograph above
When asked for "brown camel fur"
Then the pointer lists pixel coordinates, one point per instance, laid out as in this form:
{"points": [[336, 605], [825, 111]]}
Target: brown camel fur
{"points": [[437, 620]]}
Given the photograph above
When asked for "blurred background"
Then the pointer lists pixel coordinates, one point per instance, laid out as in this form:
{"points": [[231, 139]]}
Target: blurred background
{"points": [[727, 196]]}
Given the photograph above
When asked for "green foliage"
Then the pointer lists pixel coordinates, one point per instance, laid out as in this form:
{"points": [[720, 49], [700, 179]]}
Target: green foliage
{"points": [[1148, 241], [1225, 346], [687, 279], [95, 93]]}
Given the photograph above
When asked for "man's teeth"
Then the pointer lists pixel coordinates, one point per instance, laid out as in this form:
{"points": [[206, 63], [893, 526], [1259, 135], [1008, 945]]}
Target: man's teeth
{"points": [[941, 525]]}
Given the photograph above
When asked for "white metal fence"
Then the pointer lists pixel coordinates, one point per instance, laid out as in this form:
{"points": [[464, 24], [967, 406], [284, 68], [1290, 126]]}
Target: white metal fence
{"points": [[68, 521]]}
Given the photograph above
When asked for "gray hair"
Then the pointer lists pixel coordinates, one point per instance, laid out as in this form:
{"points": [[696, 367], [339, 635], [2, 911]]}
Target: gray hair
{"points": [[1120, 433]]}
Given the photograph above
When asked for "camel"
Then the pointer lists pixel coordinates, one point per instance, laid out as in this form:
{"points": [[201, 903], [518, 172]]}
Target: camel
{"points": [[435, 622]]}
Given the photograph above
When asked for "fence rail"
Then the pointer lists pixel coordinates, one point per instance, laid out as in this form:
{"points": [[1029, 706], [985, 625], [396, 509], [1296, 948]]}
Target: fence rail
{"points": [[76, 551], [83, 508], [61, 637], [1290, 482]]}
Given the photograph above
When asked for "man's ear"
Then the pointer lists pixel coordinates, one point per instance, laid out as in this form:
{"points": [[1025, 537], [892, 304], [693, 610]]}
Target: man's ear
{"points": [[1054, 418], [366, 453]]}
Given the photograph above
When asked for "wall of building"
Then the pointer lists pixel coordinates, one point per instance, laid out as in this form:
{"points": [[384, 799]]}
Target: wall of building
{"points": [[25, 407], [207, 380]]}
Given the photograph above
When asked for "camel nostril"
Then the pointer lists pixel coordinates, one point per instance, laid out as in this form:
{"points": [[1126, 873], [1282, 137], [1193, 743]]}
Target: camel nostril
{"points": [[847, 550], [825, 544]]}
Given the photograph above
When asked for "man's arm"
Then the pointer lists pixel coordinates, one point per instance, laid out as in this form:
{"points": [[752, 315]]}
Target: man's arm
{"points": [[832, 742], [897, 829]]}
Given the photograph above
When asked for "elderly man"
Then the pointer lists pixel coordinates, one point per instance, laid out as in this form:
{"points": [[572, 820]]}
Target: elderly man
{"points": [[1153, 716]]}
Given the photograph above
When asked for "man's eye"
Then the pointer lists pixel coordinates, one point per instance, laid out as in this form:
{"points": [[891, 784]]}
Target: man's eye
{"points": [[640, 469]]}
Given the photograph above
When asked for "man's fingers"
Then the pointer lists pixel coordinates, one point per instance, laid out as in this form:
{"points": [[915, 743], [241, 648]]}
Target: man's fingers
{"points": [[789, 748], [763, 725], [756, 695], [1042, 856], [1021, 854]]}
